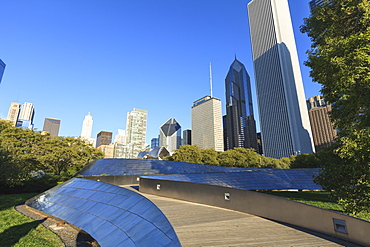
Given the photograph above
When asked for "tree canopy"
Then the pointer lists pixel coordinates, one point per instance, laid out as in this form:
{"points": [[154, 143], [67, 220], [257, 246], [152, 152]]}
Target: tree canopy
{"points": [[340, 61], [23, 151], [237, 157]]}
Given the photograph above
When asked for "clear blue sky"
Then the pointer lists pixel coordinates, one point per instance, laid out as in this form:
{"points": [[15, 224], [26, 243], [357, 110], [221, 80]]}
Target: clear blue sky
{"points": [[71, 57]]}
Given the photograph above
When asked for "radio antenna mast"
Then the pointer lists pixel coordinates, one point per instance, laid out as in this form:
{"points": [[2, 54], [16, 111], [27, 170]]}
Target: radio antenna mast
{"points": [[210, 78]]}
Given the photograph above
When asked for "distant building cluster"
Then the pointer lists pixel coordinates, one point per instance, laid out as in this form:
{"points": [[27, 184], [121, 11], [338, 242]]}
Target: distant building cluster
{"points": [[127, 143], [289, 124]]}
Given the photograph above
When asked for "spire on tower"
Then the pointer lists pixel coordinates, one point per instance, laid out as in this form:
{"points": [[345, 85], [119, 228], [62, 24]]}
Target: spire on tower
{"points": [[210, 78]]}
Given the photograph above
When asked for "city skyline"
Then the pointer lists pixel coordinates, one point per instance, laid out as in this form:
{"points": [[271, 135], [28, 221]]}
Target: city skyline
{"points": [[98, 48]]}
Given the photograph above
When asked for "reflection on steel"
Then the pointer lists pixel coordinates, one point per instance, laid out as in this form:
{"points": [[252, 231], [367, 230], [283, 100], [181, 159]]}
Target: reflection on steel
{"points": [[116, 167], [114, 216], [253, 179]]}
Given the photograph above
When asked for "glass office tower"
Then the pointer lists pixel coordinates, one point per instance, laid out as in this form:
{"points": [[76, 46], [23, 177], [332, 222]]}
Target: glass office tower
{"points": [[282, 107], [170, 135], [239, 123], [2, 68]]}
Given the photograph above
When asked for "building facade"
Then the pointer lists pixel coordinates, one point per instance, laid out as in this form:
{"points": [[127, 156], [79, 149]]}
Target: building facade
{"points": [[154, 142], [51, 125], [323, 130], [87, 127], [13, 113], [315, 101], [25, 118], [2, 69], [186, 137], [239, 124], [206, 123], [285, 126], [136, 131], [170, 135], [120, 137], [103, 138]]}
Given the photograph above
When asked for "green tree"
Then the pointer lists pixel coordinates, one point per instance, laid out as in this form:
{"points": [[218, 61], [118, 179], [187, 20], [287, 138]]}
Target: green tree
{"points": [[23, 151], [210, 157], [187, 153], [66, 154], [18, 153], [240, 157], [340, 60]]}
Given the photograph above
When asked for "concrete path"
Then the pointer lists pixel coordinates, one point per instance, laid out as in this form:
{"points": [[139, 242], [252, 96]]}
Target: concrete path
{"points": [[202, 225]]}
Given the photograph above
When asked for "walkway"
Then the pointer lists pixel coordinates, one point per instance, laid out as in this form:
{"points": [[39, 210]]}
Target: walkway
{"points": [[202, 225]]}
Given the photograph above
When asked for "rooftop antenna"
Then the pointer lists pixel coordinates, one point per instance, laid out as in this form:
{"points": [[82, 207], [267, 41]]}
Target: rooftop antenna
{"points": [[210, 78]]}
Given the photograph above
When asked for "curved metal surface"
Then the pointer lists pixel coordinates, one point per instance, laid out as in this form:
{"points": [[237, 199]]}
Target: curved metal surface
{"points": [[116, 167], [112, 215], [253, 179]]}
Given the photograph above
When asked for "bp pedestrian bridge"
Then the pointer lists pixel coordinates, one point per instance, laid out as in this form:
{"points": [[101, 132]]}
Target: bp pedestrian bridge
{"points": [[130, 202]]}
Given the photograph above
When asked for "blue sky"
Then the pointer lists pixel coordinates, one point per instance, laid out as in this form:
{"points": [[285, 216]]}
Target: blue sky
{"points": [[107, 57]]}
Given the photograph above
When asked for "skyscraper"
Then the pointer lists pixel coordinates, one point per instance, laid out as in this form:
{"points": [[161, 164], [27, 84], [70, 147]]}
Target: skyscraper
{"points": [[154, 142], [103, 138], [136, 131], [282, 107], [206, 123], [186, 137], [170, 135], [13, 113], [239, 124], [25, 119], [323, 131], [120, 137], [51, 125], [87, 127], [2, 68], [315, 101]]}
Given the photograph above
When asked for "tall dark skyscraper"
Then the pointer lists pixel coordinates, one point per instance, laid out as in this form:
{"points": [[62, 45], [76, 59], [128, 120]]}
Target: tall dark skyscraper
{"points": [[2, 68], [239, 123], [51, 125]]}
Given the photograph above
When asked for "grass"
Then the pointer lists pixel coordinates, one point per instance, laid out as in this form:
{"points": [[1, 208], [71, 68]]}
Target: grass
{"points": [[19, 230], [316, 198]]}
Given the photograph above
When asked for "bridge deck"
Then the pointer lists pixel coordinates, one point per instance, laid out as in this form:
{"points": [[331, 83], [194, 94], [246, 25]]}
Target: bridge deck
{"points": [[202, 225]]}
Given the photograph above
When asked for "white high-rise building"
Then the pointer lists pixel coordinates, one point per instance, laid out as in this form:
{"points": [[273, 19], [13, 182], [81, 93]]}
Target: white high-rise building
{"points": [[87, 127], [13, 112], [25, 119], [170, 135], [27, 112], [285, 125], [136, 131], [206, 123], [120, 137]]}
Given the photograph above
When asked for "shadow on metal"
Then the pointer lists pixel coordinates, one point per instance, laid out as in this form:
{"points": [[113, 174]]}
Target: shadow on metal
{"points": [[112, 215]]}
